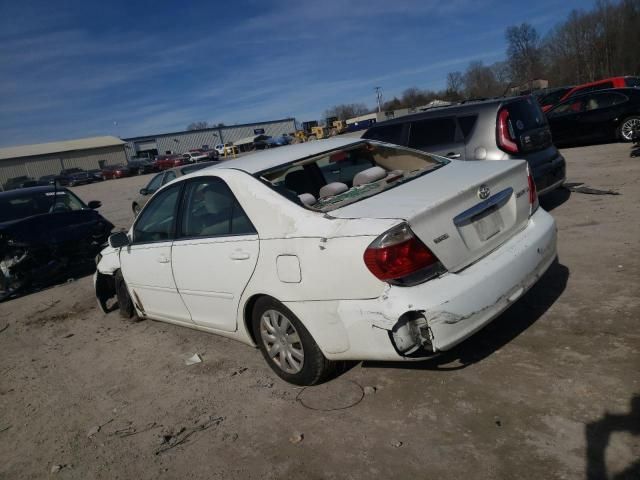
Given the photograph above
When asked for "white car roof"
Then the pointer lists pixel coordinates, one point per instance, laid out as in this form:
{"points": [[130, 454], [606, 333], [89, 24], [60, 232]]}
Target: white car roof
{"points": [[269, 158]]}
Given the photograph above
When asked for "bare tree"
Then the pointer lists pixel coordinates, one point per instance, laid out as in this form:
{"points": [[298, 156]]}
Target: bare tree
{"points": [[347, 110], [523, 53], [455, 82], [480, 81], [197, 125], [595, 44]]}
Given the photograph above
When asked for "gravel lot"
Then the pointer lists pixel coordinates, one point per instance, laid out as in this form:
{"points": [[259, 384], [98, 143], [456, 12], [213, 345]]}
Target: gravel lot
{"points": [[548, 390]]}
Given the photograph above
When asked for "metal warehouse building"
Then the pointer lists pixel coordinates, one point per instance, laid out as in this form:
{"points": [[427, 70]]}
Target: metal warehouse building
{"points": [[49, 158], [180, 142]]}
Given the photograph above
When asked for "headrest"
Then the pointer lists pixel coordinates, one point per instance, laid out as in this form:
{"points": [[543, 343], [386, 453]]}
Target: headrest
{"points": [[332, 189], [307, 199], [369, 175]]}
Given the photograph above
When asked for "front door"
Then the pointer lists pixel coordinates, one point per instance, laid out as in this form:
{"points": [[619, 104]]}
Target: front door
{"points": [[215, 253], [146, 263], [563, 120]]}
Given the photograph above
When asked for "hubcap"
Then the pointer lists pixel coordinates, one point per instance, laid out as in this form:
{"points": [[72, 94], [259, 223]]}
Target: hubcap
{"points": [[629, 127], [282, 341]]}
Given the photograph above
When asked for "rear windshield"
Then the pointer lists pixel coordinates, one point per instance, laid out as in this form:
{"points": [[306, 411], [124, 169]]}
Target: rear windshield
{"points": [[525, 114], [28, 204], [340, 177], [632, 81]]}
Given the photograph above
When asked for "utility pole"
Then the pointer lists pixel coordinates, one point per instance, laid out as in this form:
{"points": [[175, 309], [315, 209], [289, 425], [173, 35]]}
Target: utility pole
{"points": [[379, 98]]}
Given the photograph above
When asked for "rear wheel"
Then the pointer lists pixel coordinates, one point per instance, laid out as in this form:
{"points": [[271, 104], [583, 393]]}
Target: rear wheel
{"points": [[627, 128], [286, 345]]}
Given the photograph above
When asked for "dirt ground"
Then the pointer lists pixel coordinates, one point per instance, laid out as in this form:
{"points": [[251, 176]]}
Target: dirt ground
{"points": [[549, 390]]}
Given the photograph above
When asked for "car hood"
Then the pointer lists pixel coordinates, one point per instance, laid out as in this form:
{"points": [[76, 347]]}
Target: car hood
{"points": [[55, 228]]}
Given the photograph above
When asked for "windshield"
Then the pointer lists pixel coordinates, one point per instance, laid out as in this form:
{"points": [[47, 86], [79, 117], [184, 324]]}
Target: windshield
{"points": [[16, 207], [340, 177]]}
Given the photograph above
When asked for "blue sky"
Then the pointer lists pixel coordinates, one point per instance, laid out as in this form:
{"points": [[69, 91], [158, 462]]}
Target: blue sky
{"points": [[75, 69]]}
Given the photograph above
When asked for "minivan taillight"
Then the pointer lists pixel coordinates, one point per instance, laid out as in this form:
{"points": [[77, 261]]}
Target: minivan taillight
{"points": [[399, 257], [506, 138], [533, 194]]}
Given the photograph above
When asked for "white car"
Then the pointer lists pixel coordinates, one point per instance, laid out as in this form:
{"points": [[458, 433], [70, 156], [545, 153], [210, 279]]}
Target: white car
{"points": [[335, 250]]}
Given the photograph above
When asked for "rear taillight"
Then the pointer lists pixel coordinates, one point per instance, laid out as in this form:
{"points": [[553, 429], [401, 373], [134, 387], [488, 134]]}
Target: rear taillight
{"points": [[399, 257], [533, 194], [506, 137]]}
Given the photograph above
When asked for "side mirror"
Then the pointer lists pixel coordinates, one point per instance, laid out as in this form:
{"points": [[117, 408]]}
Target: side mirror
{"points": [[117, 240], [144, 191], [93, 204]]}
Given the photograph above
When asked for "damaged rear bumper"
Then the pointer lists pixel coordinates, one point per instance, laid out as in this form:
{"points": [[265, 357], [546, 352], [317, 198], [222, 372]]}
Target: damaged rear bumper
{"points": [[443, 312]]}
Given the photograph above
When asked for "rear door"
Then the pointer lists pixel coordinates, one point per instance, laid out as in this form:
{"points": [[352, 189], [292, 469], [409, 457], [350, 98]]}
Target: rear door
{"points": [[215, 253], [437, 135]]}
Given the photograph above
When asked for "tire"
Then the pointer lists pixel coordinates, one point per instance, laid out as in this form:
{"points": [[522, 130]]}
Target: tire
{"points": [[627, 127], [125, 304], [305, 364]]}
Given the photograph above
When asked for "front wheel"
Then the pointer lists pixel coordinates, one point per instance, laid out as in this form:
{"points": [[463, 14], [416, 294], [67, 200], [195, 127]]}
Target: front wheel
{"points": [[125, 304], [628, 127], [286, 345]]}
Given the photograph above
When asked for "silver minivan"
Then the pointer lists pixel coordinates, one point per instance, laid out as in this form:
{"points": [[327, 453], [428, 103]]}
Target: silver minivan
{"points": [[498, 129]]}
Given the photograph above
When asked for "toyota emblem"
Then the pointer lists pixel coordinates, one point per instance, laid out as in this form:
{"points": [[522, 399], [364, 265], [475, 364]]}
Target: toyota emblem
{"points": [[483, 192]]}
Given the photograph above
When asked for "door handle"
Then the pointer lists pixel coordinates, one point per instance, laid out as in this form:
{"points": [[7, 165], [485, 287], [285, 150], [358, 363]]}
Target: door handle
{"points": [[453, 155], [163, 259], [239, 255]]}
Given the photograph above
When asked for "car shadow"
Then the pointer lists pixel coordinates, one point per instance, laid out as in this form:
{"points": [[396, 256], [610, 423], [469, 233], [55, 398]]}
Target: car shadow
{"points": [[554, 199], [511, 323], [598, 434]]}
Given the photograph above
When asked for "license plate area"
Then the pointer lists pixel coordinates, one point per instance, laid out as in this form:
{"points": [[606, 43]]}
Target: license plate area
{"points": [[488, 223]]}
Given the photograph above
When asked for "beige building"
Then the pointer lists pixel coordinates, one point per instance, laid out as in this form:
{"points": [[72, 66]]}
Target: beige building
{"points": [[50, 158]]}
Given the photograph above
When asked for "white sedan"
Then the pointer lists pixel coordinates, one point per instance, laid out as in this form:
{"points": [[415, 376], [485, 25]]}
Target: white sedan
{"points": [[334, 250]]}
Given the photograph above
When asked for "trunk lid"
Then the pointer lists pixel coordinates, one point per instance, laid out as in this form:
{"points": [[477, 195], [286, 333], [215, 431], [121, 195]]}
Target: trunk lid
{"points": [[461, 211]]}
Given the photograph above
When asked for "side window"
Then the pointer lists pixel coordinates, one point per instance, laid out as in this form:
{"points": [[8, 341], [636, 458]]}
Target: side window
{"points": [[155, 183], [567, 108], [466, 124], [603, 100], [386, 133], [156, 223], [437, 131], [211, 210], [168, 176]]}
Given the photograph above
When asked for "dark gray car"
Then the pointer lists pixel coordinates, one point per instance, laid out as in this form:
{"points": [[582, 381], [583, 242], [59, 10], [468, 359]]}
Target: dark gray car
{"points": [[499, 129]]}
